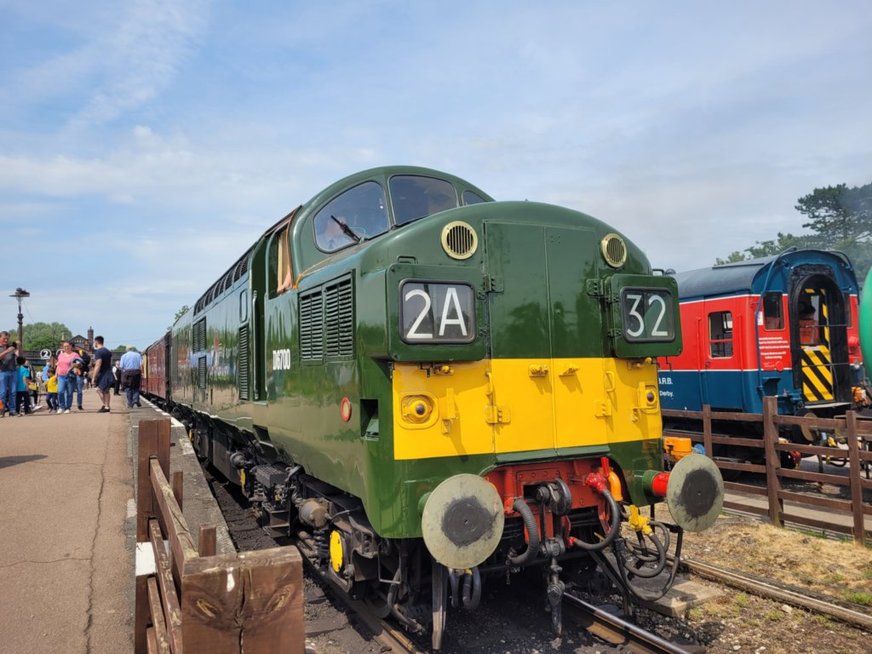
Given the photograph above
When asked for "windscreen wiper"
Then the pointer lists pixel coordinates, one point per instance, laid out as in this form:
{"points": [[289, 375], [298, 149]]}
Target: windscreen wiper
{"points": [[350, 233]]}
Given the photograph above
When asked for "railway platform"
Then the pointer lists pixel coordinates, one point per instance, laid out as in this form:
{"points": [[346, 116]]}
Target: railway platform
{"points": [[68, 515]]}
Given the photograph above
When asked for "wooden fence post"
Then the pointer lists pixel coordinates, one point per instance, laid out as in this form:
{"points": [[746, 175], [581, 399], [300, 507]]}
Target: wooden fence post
{"points": [[154, 440], [773, 460], [707, 429], [856, 481], [256, 599]]}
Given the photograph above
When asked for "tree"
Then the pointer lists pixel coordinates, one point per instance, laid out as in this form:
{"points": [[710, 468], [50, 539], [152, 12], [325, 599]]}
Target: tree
{"points": [[42, 335], [769, 248], [838, 214], [181, 312], [839, 217]]}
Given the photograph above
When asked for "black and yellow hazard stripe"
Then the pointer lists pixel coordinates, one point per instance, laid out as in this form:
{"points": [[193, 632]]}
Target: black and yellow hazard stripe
{"points": [[817, 374]]}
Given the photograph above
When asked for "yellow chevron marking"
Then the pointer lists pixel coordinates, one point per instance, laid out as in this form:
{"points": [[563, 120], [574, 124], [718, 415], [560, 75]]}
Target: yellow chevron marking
{"points": [[818, 377]]}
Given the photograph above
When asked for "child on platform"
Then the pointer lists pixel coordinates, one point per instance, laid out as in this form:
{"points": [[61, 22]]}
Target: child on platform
{"points": [[51, 390]]}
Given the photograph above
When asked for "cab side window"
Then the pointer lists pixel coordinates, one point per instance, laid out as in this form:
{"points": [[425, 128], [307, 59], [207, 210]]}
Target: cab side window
{"points": [[281, 276], [773, 317], [354, 216], [721, 334]]}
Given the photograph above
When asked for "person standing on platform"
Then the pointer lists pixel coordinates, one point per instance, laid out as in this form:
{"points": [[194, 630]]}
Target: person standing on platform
{"points": [[116, 371], [65, 384], [103, 377], [80, 379], [131, 375], [22, 390], [8, 375], [51, 390]]}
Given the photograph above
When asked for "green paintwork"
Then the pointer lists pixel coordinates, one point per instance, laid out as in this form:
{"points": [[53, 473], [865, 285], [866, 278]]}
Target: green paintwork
{"points": [[866, 324], [532, 277]]}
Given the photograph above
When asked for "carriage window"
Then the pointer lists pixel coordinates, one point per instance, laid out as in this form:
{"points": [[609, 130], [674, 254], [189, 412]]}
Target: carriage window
{"points": [[354, 216], [721, 334], [773, 318], [415, 196]]}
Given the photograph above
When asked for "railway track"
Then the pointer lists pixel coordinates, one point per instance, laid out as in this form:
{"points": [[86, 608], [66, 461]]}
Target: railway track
{"points": [[617, 631], [773, 590], [342, 624]]}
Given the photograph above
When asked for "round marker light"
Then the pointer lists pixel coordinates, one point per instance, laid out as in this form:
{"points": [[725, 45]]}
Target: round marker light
{"points": [[345, 409]]}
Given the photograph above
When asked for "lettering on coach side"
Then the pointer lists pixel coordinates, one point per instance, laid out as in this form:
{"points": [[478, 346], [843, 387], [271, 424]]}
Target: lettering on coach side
{"points": [[281, 359]]}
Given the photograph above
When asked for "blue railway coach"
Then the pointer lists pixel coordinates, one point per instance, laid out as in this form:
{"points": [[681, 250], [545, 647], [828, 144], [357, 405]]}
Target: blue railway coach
{"points": [[784, 326]]}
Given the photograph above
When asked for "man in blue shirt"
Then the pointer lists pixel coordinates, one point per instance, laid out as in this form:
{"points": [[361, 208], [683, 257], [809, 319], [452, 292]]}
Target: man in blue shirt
{"points": [[131, 375]]}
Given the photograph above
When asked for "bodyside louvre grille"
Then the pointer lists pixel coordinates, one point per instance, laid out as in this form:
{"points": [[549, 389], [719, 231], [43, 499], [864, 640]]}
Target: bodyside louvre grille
{"points": [[311, 310], [339, 320], [242, 371], [201, 373], [199, 336]]}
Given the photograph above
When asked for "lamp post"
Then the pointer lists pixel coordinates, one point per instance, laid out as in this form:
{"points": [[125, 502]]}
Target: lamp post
{"points": [[18, 294]]}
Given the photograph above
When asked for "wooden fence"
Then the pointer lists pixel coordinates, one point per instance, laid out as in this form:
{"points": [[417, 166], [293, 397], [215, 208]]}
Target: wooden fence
{"points": [[248, 602], [856, 432]]}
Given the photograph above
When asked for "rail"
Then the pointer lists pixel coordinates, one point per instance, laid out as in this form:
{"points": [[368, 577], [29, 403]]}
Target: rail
{"points": [[194, 600], [854, 429]]}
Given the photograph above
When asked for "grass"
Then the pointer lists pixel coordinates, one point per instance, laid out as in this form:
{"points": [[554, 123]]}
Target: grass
{"points": [[859, 597], [774, 615], [821, 619], [742, 600]]}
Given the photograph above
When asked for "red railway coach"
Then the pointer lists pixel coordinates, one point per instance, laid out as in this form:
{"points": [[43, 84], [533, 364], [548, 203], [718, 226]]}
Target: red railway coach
{"points": [[783, 326]]}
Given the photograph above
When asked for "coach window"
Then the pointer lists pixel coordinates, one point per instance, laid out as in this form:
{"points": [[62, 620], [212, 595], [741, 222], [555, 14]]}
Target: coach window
{"points": [[773, 317], [721, 334]]}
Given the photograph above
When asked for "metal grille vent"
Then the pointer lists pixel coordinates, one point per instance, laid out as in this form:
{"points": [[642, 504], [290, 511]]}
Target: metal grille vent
{"points": [[339, 320], [242, 370], [199, 336], [614, 250], [201, 373], [459, 240], [311, 310]]}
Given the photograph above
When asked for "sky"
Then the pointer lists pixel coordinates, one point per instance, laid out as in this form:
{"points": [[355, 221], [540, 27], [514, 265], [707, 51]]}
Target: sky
{"points": [[145, 144]]}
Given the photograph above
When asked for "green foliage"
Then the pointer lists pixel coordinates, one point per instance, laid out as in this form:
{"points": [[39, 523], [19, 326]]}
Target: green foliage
{"points": [[770, 248], [181, 312], [839, 217], [859, 597], [42, 335]]}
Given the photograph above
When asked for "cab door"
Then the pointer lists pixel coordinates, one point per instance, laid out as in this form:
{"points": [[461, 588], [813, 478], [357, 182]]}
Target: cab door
{"points": [[816, 374], [520, 386], [721, 371]]}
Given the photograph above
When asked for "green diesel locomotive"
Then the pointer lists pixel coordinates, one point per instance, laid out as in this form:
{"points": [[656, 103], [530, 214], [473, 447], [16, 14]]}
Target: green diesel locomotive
{"points": [[430, 389]]}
